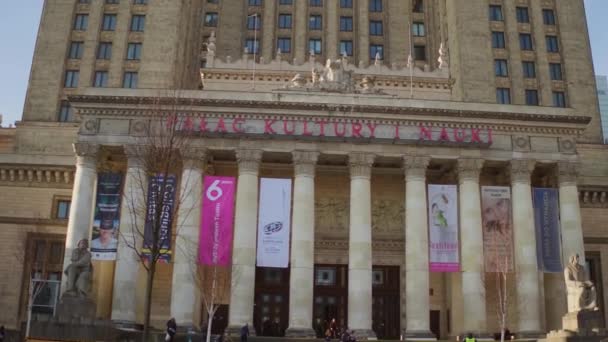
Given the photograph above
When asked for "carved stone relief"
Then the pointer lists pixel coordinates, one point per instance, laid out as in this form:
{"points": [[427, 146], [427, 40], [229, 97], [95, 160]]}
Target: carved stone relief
{"points": [[388, 216], [331, 215]]}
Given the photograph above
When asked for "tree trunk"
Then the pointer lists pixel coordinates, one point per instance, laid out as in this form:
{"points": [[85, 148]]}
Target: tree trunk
{"points": [[209, 323], [148, 302]]}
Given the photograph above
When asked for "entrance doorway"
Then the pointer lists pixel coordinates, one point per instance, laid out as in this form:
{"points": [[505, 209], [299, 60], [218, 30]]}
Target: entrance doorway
{"points": [[385, 302], [271, 309], [330, 297]]}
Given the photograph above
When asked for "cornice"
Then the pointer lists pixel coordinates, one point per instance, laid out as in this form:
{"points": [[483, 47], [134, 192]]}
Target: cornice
{"points": [[38, 176], [33, 221]]}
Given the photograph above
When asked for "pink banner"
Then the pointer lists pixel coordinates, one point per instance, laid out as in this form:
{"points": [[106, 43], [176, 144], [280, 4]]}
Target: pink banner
{"points": [[217, 220]]}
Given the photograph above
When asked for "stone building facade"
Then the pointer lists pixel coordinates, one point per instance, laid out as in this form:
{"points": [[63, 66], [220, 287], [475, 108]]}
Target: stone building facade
{"points": [[362, 103]]}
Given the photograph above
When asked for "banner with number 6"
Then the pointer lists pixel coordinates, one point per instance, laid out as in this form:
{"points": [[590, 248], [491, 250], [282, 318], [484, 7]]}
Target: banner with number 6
{"points": [[215, 244]]}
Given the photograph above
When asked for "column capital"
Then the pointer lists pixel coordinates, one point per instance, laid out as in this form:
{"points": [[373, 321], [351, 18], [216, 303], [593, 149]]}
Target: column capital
{"points": [[86, 154], [194, 157], [360, 164], [469, 169], [304, 162], [521, 170], [568, 172], [134, 155], [415, 166], [249, 160]]}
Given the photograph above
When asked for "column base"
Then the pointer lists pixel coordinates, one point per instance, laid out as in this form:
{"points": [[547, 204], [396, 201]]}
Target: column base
{"points": [[300, 333], [234, 330], [419, 335], [127, 325]]}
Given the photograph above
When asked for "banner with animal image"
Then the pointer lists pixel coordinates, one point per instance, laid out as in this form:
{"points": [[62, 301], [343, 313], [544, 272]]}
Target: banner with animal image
{"points": [[443, 228], [159, 216], [497, 228], [274, 221], [106, 219], [215, 244], [548, 234]]}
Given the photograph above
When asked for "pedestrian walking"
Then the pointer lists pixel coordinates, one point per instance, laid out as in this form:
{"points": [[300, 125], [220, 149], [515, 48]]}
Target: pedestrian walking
{"points": [[245, 332], [470, 338], [2, 333], [171, 330]]}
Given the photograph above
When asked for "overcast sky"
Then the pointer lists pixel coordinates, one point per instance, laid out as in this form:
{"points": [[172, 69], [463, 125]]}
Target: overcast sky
{"points": [[19, 25]]}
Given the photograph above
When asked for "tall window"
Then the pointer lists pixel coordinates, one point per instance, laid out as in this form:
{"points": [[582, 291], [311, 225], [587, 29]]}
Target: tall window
{"points": [[134, 51], [498, 40], [420, 52], [252, 45], [496, 13], [346, 24], [315, 22], [62, 210], [254, 22], [285, 2], [71, 78], [81, 22], [529, 69], [346, 47], [555, 70], [65, 115], [76, 49], [559, 99], [532, 97], [255, 2], [104, 51], [109, 22], [284, 21], [375, 5], [501, 68], [375, 28], [138, 22], [503, 95], [376, 50], [130, 80], [101, 79], [522, 15], [548, 17], [316, 3], [418, 29], [418, 6], [314, 46], [211, 19], [525, 41], [284, 44], [346, 3], [552, 44]]}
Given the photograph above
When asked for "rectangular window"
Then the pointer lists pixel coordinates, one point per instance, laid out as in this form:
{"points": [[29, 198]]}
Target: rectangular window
{"points": [[112, 2], [376, 50], [255, 2], [254, 22], [375, 5], [375, 28], [552, 44], [503, 95], [134, 51], [211, 19], [501, 68], [314, 46], [522, 15], [71, 78], [498, 40], [81, 22], [101, 79], [252, 46], [418, 29], [65, 112], [63, 210], [532, 97], [284, 21], [555, 70], [346, 24], [129, 80], [496, 13], [418, 6], [548, 17], [316, 3], [346, 47], [420, 52], [315, 22], [140, 2], [346, 3], [138, 23], [529, 69], [109, 22], [284, 44], [559, 99], [104, 51], [76, 50], [285, 2], [525, 41]]}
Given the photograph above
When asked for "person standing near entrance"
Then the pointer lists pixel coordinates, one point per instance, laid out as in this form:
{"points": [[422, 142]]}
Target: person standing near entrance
{"points": [[171, 329], [470, 338], [245, 332]]}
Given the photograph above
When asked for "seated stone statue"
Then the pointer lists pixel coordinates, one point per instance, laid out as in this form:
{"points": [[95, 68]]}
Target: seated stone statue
{"points": [[79, 272], [581, 291]]}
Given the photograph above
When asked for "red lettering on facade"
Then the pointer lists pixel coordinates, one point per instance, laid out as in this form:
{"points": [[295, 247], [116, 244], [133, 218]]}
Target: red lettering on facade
{"points": [[475, 135], [171, 121], [397, 131], [236, 127], [459, 135], [337, 131], [268, 126], [444, 135], [490, 136], [203, 125], [322, 124], [306, 131], [188, 124], [288, 130], [372, 129], [221, 126], [356, 130], [425, 133]]}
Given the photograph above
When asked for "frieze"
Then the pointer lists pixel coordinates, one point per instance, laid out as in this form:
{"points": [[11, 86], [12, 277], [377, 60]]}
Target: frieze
{"points": [[331, 214], [388, 216], [377, 245]]}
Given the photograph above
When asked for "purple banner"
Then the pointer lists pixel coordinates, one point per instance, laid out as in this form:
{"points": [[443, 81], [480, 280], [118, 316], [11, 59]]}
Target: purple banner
{"points": [[161, 196], [548, 237], [217, 219]]}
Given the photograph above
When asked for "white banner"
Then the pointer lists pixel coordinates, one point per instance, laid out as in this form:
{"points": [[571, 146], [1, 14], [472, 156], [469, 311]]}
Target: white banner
{"points": [[443, 228], [274, 222]]}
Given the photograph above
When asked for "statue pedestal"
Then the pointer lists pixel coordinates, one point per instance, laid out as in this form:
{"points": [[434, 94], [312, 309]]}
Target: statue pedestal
{"points": [[73, 309], [582, 322]]}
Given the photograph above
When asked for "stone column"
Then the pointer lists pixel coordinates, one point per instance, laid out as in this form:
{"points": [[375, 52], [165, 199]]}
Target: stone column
{"points": [[300, 46], [83, 198], [417, 306], [524, 233], [244, 244], [362, 32], [360, 246], [301, 282], [185, 288], [132, 218], [471, 240]]}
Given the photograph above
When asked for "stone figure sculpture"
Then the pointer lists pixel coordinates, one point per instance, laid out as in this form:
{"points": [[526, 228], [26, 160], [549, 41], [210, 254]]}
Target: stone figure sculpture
{"points": [[79, 272], [581, 291]]}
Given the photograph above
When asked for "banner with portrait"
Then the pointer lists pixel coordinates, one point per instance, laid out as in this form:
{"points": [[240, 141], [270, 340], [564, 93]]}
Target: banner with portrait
{"points": [[106, 218], [215, 244], [443, 228], [497, 228], [548, 234], [159, 215], [274, 222]]}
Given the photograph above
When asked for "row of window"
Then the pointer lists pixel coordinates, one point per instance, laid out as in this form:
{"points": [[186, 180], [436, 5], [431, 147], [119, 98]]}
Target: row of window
{"points": [[501, 69], [525, 42], [112, 2], [100, 80], [503, 96], [374, 5], [81, 22], [522, 14], [104, 50]]}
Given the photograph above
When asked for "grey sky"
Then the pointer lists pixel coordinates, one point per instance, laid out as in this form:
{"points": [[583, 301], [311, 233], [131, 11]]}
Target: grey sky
{"points": [[19, 26]]}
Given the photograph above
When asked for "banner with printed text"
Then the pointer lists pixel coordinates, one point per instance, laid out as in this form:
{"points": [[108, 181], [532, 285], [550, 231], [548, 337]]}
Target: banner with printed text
{"points": [[106, 219], [159, 215], [497, 228], [215, 244], [548, 234], [274, 222], [443, 228]]}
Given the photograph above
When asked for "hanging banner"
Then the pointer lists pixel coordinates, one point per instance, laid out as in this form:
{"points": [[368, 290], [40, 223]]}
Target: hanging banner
{"points": [[443, 228], [274, 222], [217, 220], [497, 228], [548, 235], [106, 219], [161, 196]]}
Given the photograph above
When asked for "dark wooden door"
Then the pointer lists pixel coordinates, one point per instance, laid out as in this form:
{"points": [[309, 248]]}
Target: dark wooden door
{"points": [[271, 310], [330, 297], [436, 323], [385, 302]]}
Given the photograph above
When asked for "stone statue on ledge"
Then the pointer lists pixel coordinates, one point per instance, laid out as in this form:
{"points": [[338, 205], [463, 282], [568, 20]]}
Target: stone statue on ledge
{"points": [[581, 291], [79, 272]]}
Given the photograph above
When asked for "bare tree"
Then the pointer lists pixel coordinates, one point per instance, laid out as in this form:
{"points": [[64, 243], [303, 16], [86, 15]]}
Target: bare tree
{"points": [[213, 282]]}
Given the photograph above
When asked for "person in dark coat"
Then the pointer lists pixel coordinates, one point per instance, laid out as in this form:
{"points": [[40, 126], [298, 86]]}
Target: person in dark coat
{"points": [[245, 332], [2, 333], [171, 329]]}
